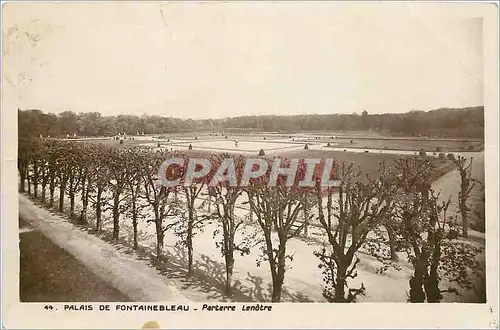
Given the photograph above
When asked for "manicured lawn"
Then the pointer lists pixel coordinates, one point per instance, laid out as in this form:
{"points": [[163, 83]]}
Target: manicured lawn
{"points": [[368, 163], [406, 144]]}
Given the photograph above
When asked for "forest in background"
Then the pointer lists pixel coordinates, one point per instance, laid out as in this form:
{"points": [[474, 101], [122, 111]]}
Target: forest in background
{"points": [[445, 122]]}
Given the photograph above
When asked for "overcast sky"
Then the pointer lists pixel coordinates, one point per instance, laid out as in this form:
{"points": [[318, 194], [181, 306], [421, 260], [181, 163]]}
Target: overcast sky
{"points": [[213, 60]]}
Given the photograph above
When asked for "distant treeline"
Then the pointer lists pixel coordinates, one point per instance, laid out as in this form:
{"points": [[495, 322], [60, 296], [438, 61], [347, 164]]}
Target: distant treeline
{"points": [[451, 123]]}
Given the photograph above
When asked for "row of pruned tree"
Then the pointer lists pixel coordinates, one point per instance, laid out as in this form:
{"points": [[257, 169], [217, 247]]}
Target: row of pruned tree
{"points": [[396, 213]]}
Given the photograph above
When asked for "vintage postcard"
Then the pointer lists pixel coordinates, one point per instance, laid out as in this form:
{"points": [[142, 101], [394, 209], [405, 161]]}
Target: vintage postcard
{"points": [[253, 164]]}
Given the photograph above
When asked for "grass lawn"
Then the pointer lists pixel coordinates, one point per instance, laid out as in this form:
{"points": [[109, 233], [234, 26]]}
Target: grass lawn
{"points": [[116, 143], [368, 162], [407, 144], [368, 142]]}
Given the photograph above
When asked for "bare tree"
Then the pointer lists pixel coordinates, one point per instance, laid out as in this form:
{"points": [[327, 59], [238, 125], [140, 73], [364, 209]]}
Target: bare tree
{"points": [[191, 223], [421, 227], [134, 168], [88, 176], [23, 161], [467, 183], [277, 209], [53, 154], [64, 170], [44, 169], [225, 196], [76, 162], [392, 243], [117, 184], [100, 183], [157, 197], [435, 234], [36, 161], [360, 208], [413, 177]]}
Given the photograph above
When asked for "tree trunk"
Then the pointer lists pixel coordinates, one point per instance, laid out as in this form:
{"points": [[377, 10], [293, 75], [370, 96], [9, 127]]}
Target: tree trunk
{"points": [[340, 282], [71, 196], [85, 202], [35, 180], [392, 243], [228, 256], [432, 291], [465, 220], [22, 173], [306, 219], [62, 188], [229, 276], [116, 216], [98, 211], [190, 249], [159, 239], [280, 274], [134, 224], [251, 212], [29, 184], [43, 183], [277, 288], [431, 283], [417, 294], [44, 189], [134, 190], [83, 213], [52, 186], [72, 203], [189, 239]]}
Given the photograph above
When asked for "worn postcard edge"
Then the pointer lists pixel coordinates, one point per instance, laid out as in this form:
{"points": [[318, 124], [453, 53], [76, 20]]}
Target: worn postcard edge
{"points": [[284, 315]]}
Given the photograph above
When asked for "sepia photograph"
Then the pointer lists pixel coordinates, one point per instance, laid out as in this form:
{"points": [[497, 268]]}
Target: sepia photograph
{"points": [[190, 157]]}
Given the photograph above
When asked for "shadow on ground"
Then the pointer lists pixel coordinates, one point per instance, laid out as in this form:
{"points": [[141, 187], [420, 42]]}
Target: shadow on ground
{"points": [[209, 277]]}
